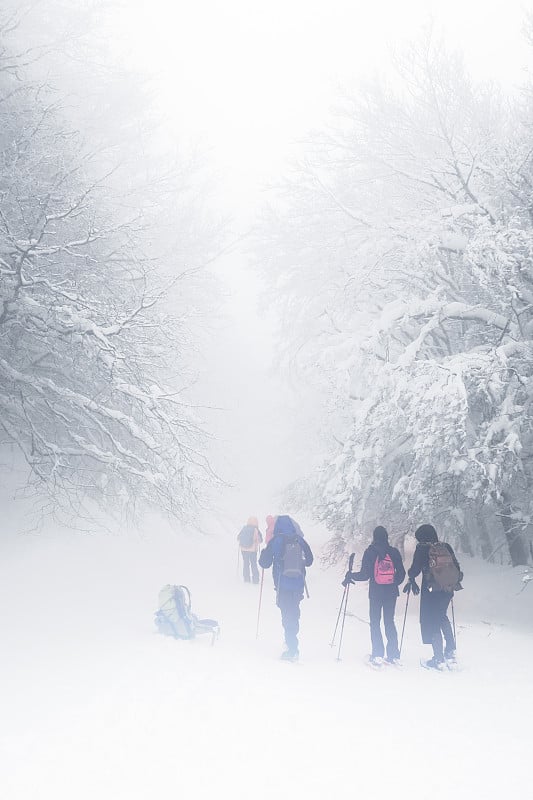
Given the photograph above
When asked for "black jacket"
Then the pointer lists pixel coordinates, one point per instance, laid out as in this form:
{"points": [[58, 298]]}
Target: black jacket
{"points": [[366, 573]]}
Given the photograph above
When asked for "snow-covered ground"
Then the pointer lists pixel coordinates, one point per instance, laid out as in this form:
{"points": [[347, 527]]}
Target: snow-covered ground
{"points": [[95, 704]]}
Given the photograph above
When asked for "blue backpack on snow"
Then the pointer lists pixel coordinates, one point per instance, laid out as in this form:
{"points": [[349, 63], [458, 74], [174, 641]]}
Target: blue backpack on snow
{"points": [[174, 616]]}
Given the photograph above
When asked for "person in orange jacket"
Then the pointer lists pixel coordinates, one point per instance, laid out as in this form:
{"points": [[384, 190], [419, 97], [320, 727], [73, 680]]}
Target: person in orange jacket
{"points": [[249, 539]]}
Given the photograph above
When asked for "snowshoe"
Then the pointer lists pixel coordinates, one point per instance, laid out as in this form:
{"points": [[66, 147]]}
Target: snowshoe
{"points": [[376, 662], [290, 655], [432, 663], [451, 662], [393, 662]]}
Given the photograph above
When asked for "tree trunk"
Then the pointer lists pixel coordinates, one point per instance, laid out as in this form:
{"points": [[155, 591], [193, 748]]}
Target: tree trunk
{"points": [[484, 537], [513, 535]]}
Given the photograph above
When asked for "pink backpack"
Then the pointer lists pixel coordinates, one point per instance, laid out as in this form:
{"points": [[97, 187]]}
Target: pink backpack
{"points": [[384, 570]]}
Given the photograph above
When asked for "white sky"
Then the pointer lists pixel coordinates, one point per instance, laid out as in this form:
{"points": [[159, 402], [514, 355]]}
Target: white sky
{"points": [[249, 77]]}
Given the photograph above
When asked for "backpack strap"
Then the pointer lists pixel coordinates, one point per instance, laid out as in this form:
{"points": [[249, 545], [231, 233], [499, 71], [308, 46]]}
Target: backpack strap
{"points": [[188, 600]]}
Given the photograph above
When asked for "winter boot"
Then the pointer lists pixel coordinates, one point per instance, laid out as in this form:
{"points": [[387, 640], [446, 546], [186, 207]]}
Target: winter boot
{"points": [[433, 663], [451, 660], [395, 662], [290, 655]]}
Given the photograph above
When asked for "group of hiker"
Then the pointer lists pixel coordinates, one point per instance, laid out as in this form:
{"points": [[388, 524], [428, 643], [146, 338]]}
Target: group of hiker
{"points": [[288, 553]]}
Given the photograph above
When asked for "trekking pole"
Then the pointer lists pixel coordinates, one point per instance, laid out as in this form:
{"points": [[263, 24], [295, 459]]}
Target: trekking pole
{"points": [[453, 625], [338, 616], [259, 606], [404, 618], [306, 589], [350, 565]]}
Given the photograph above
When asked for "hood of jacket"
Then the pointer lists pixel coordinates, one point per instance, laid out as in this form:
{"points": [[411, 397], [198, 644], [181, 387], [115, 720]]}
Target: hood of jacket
{"points": [[286, 526]]}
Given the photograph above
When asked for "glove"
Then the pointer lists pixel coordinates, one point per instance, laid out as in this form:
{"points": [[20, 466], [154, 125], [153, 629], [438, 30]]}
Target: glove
{"points": [[407, 587], [415, 587], [348, 579]]}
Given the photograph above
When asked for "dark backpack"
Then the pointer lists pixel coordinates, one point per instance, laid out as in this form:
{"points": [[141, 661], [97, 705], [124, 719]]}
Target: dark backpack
{"points": [[246, 536], [293, 559], [442, 575], [384, 570]]}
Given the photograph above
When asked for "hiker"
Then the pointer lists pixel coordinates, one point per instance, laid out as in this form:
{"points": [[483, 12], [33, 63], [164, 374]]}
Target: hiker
{"points": [[288, 554], [249, 539], [269, 533], [382, 567], [441, 576]]}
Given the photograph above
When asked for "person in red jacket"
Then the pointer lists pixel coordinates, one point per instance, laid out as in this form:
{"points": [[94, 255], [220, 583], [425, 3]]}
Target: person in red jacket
{"points": [[269, 533]]}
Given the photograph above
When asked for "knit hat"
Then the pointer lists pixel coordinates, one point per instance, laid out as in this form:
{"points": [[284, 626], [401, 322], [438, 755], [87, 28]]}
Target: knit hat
{"points": [[380, 536], [380, 540], [426, 534]]}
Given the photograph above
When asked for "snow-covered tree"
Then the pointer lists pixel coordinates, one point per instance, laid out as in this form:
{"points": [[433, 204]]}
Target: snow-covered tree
{"points": [[94, 339], [405, 265]]}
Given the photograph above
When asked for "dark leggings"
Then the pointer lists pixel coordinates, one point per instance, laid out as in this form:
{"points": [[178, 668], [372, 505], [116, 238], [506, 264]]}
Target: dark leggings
{"points": [[438, 603], [387, 605], [289, 604]]}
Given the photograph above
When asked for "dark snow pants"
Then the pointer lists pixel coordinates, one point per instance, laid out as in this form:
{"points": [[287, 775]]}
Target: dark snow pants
{"points": [[249, 561], [386, 604], [288, 602], [435, 623]]}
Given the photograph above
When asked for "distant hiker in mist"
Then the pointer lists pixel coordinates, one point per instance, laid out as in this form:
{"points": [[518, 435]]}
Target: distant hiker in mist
{"points": [[382, 567], [249, 539], [269, 533], [288, 554], [441, 576]]}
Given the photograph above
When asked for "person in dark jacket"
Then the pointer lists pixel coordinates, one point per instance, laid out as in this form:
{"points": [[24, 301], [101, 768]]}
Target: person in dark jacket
{"points": [[289, 588], [382, 567], [434, 622]]}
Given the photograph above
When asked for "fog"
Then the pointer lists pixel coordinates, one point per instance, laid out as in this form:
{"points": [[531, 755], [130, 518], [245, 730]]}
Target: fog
{"points": [[242, 96], [249, 84], [265, 260]]}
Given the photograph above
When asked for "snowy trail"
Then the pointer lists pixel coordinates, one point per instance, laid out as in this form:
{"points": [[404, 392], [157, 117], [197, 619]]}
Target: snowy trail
{"points": [[95, 704]]}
